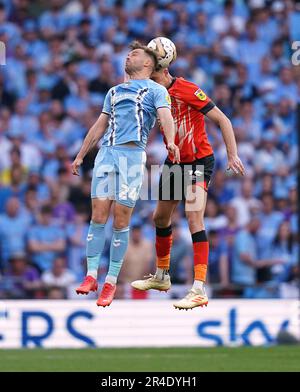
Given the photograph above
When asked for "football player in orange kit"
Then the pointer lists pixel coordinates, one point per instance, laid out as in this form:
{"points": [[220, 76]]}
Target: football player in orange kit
{"points": [[189, 106]]}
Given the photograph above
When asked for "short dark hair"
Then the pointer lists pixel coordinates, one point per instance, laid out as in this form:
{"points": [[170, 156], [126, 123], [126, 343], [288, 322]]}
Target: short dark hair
{"points": [[150, 52]]}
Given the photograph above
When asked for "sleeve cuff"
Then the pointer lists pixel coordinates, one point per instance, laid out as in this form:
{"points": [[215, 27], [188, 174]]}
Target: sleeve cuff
{"points": [[105, 112], [207, 107], [164, 106]]}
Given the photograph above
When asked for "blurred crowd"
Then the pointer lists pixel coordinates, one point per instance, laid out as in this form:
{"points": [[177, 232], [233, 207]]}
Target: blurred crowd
{"points": [[61, 59]]}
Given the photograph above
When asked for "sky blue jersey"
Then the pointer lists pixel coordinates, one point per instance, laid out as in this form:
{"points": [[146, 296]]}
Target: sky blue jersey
{"points": [[132, 107]]}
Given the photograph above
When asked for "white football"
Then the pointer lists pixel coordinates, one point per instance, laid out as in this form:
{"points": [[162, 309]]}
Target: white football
{"points": [[165, 50]]}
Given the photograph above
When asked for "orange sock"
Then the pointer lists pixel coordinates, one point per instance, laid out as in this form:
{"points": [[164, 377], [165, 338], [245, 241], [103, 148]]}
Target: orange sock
{"points": [[163, 246], [201, 250]]}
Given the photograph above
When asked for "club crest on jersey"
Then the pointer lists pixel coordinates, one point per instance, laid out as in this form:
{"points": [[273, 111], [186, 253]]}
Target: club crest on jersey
{"points": [[200, 94], [168, 99]]}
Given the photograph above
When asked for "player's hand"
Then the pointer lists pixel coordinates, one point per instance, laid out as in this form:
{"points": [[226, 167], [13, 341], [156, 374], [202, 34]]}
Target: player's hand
{"points": [[235, 164], [75, 166], [174, 150]]}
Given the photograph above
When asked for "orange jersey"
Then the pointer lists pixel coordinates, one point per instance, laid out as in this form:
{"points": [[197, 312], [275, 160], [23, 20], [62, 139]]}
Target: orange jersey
{"points": [[189, 105]]}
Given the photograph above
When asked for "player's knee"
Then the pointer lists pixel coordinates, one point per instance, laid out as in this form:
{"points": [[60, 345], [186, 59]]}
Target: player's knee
{"points": [[160, 220], [99, 217], [120, 222], [121, 218], [195, 220]]}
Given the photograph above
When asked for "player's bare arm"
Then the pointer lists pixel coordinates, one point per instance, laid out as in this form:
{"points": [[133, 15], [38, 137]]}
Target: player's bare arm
{"points": [[247, 259], [92, 138], [167, 124], [219, 118]]}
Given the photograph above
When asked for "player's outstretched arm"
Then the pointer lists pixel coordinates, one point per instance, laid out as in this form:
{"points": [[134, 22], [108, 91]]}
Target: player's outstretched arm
{"points": [[167, 124], [93, 136], [234, 162]]}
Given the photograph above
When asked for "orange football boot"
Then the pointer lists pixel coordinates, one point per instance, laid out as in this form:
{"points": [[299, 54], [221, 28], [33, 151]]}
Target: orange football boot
{"points": [[107, 294], [89, 284]]}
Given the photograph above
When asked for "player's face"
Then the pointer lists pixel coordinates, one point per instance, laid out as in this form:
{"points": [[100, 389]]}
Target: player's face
{"points": [[135, 61]]}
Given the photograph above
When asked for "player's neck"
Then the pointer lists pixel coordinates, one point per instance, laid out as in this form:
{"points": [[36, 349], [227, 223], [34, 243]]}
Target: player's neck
{"points": [[138, 76], [170, 81]]}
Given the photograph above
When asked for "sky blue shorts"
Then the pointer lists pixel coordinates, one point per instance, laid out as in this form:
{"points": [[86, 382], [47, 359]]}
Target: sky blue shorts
{"points": [[118, 174]]}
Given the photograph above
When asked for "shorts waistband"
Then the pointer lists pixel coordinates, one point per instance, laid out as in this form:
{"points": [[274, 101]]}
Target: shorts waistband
{"points": [[126, 148]]}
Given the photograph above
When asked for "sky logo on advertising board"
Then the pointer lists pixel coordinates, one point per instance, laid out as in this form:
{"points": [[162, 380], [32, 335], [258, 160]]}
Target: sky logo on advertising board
{"points": [[208, 330]]}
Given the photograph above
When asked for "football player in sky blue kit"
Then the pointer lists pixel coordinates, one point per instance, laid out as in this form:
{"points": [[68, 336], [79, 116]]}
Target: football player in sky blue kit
{"points": [[129, 112]]}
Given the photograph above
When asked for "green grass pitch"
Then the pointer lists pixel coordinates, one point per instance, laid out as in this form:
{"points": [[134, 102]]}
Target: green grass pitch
{"points": [[277, 358]]}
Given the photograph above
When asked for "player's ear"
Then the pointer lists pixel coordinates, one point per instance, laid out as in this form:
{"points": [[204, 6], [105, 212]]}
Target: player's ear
{"points": [[147, 62]]}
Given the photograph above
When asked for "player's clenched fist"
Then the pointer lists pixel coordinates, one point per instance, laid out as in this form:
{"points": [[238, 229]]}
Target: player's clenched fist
{"points": [[174, 150], [75, 166]]}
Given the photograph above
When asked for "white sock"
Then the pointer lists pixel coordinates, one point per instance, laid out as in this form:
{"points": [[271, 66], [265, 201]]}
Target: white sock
{"points": [[111, 279], [160, 273], [198, 285], [92, 273]]}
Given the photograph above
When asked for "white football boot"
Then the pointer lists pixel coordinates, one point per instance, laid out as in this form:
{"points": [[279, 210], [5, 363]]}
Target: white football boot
{"points": [[193, 299], [153, 282]]}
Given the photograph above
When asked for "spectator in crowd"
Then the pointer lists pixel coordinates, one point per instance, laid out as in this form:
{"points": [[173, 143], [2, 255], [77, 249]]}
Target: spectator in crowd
{"points": [[138, 259], [285, 248], [77, 232], [15, 189], [218, 261], [246, 262], [270, 219], [214, 219], [232, 227], [30, 154], [15, 162], [22, 119], [31, 204], [101, 84], [63, 210], [269, 158], [248, 122], [20, 279], [219, 190], [46, 240], [55, 293], [245, 204], [265, 184], [59, 275], [227, 236], [293, 211], [80, 194], [181, 261], [14, 225], [37, 182]]}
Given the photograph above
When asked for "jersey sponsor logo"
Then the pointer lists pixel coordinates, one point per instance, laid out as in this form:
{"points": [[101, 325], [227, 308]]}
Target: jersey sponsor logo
{"points": [[124, 96], [200, 94]]}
